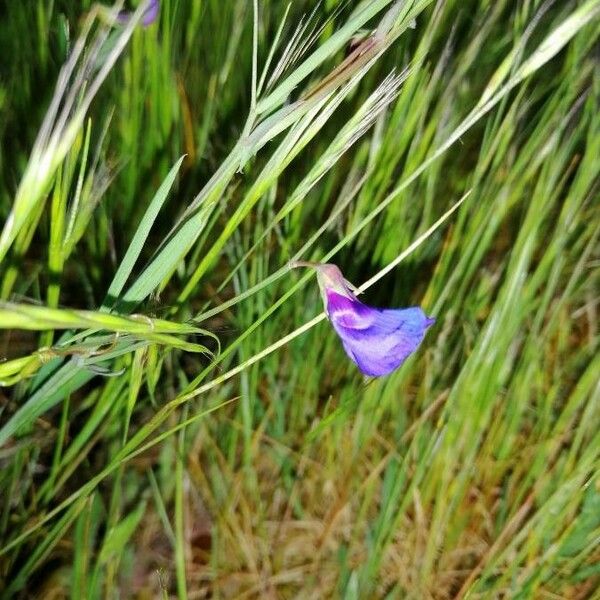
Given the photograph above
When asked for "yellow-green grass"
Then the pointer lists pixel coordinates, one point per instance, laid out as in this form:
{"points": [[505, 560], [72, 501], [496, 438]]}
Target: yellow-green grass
{"points": [[178, 418]]}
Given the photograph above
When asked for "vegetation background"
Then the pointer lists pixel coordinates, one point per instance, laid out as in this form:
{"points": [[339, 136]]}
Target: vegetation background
{"points": [[178, 419]]}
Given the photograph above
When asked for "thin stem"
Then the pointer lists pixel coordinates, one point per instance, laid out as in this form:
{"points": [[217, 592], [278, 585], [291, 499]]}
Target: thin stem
{"points": [[254, 57], [294, 264]]}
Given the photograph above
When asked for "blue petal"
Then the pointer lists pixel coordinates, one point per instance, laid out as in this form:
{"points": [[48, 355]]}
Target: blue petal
{"points": [[148, 17], [377, 340]]}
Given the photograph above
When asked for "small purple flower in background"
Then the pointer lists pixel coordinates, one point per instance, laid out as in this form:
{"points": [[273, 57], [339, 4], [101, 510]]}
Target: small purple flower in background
{"points": [[378, 340], [148, 17]]}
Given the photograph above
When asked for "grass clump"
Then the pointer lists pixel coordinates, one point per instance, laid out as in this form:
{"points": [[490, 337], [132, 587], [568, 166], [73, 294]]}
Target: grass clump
{"points": [[177, 418]]}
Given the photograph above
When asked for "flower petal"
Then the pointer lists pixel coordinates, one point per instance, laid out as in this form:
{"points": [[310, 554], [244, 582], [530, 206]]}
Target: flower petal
{"points": [[148, 17], [377, 340]]}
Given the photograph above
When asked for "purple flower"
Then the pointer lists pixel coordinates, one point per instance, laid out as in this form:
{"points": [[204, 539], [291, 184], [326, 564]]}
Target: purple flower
{"points": [[148, 17], [378, 340]]}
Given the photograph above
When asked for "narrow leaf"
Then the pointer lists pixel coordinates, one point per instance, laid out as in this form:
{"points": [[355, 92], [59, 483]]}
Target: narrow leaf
{"points": [[140, 237]]}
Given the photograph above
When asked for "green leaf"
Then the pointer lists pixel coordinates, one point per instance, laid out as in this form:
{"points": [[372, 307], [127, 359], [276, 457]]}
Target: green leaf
{"points": [[140, 237], [116, 539]]}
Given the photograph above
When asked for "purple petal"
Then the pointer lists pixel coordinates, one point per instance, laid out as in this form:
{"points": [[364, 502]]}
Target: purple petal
{"points": [[149, 16], [377, 340]]}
